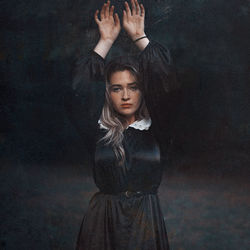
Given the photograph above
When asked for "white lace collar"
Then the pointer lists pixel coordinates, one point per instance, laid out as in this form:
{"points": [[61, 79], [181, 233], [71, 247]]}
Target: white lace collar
{"points": [[143, 124]]}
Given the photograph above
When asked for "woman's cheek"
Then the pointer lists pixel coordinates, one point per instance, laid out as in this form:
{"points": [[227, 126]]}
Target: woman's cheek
{"points": [[139, 99]]}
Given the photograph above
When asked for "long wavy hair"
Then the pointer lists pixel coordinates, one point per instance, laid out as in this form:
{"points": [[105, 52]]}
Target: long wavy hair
{"points": [[110, 118]]}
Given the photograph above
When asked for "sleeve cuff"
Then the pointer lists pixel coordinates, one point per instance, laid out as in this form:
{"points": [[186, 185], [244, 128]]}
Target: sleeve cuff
{"points": [[97, 55], [150, 45]]}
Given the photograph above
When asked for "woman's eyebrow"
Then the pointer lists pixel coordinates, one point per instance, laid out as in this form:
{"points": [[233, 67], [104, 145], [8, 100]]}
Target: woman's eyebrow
{"points": [[116, 84], [132, 83]]}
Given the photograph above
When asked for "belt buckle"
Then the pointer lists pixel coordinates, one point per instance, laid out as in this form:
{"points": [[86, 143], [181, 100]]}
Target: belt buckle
{"points": [[127, 193], [130, 194]]}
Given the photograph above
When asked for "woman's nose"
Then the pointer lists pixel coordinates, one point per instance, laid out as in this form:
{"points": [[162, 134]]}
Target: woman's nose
{"points": [[125, 94]]}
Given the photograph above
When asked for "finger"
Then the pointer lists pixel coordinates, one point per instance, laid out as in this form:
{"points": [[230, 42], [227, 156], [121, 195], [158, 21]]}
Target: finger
{"points": [[133, 7], [107, 9], [117, 20], [127, 9], [96, 17], [102, 12], [142, 10], [138, 11], [111, 12], [125, 17]]}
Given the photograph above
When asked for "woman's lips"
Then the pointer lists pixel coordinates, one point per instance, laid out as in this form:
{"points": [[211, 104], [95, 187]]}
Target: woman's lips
{"points": [[126, 105]]}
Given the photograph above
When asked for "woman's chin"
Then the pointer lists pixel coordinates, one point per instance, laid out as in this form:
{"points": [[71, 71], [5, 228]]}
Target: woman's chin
{"points": [[127, 113]]}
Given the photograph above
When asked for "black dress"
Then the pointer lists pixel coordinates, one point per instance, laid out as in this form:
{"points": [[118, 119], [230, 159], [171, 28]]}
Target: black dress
{"points": [[125, 214]]}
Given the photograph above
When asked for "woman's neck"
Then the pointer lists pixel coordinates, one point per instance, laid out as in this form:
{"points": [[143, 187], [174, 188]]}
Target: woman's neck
{"points": [[130, 120]]}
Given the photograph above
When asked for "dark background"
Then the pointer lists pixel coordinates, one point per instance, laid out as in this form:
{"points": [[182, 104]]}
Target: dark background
{"points": [[45, 176]]}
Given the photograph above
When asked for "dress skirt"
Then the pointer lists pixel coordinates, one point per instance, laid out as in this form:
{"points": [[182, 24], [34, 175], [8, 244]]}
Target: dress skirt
{"points": [[116, 222]]}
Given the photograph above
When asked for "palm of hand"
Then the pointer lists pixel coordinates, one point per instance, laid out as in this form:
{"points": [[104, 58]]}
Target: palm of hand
{"points": [[134, 26], [133, 19], [108, 24], [108, 29]]}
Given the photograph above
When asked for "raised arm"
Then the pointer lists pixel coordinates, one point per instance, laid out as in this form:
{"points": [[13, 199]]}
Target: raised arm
{"points": [[84, 99], [133, 23], [161, 89], [109, 29]]}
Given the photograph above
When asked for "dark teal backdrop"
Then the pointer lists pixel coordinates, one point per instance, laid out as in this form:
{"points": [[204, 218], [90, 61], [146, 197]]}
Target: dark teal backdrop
{"points": [[45, 180]]}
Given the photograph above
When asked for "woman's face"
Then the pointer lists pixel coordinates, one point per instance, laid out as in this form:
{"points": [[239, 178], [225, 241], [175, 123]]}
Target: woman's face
{"points": [[124, 94]]}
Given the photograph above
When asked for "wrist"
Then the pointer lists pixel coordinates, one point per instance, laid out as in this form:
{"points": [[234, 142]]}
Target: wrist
{"points": [[106, 41], [136, 36], [103, 46], [141, 42]]}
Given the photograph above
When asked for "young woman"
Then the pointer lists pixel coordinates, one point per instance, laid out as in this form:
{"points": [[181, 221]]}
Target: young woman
{"points": [[122, 111]]}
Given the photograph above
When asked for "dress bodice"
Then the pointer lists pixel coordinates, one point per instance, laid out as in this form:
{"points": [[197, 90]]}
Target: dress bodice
{"points": [[141, 170]]}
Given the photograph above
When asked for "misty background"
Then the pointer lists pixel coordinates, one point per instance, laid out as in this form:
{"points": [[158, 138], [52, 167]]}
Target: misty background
{"points": [[45, 175]]}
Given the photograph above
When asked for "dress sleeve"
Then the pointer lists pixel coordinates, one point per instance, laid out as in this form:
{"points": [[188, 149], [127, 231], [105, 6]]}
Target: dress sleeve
{"points": [[84, 97], [161, 91]]}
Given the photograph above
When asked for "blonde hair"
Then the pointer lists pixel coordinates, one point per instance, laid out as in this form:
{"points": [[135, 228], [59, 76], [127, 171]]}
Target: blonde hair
{"points": [[112, 120]]}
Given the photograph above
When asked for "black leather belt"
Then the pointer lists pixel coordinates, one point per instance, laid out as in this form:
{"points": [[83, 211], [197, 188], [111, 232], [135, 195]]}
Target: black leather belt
{"points": [[130, 193]]}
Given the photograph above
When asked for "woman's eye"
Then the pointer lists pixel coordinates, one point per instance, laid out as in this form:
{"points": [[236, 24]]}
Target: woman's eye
{"points": [[116, 89], [134, 88]]}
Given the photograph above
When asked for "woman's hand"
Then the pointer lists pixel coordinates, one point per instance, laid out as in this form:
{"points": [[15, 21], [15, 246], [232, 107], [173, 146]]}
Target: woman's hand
{"points": [[133, 21], [109, 28], [109, 25]]}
